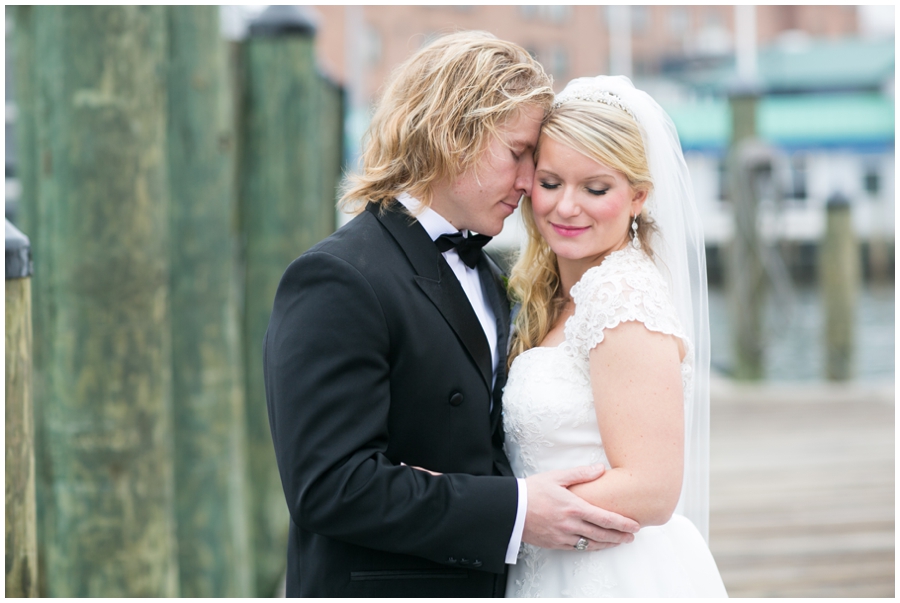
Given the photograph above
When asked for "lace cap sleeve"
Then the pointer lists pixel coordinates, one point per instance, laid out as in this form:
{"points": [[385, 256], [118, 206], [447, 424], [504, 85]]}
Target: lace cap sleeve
{"points": [[626, 286]]}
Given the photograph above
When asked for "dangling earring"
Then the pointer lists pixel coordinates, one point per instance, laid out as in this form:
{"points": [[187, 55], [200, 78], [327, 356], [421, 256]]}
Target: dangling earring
{"points": [[635, 241]]}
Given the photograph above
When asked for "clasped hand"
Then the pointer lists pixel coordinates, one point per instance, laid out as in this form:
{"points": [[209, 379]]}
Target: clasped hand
{"points": [[556, 518]]}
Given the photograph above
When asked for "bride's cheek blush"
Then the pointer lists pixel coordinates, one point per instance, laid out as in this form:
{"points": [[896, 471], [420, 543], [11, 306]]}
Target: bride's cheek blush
{"points": [[608, 210]]}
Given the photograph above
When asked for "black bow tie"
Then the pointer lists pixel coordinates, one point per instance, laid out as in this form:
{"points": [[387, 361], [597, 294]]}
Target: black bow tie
{"points": [[468, 248]]}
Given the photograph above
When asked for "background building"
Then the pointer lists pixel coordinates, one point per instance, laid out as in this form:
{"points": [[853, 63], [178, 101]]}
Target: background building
{"points": [[827, 111], [570, 41]]}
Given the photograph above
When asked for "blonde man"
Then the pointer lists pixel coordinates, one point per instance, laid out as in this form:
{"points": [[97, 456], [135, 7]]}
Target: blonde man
{"points": [[386, 350]]}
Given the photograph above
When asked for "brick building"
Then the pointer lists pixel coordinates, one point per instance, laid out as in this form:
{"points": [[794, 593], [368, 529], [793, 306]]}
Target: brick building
{"points": [[570, 41]]}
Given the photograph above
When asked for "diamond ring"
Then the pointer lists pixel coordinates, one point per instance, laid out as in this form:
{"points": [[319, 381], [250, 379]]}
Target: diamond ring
{"points": [[582, 544]]}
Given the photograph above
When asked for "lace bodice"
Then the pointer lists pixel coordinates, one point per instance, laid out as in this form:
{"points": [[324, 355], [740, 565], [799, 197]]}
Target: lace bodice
{"points": [[626, 286], [548, 402]]}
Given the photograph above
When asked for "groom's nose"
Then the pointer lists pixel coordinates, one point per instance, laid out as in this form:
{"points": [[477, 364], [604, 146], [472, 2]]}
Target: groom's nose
{"points": [[525, 176]]}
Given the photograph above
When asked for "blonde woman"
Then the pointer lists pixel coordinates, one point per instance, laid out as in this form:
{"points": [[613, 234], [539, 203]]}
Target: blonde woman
{"points": [[609, 360]]}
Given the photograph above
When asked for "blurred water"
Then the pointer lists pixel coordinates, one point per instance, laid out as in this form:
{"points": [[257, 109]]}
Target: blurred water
{"points": [[795, 336]]}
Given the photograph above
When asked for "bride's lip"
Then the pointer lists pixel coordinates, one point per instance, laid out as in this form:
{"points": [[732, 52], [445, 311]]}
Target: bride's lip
{"points": [[569, 231]]}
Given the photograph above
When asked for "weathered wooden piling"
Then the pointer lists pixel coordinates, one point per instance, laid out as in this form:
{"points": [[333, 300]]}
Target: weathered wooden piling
{"points": [[214, 558], [283, 173], [21, 518], [839, 277], [100, 196], [745, 277], [29, 216], [330, 153]]}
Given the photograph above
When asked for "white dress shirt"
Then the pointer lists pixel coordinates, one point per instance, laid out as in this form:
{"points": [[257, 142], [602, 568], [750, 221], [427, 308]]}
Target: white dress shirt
{"points": [[436, 225]]}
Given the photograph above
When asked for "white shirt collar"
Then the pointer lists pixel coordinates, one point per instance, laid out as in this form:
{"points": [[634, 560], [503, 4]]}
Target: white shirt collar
{"points": [[434, 223]]}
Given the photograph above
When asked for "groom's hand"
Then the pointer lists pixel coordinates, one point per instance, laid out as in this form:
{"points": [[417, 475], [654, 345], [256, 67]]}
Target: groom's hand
{"points": [[556, 518]]}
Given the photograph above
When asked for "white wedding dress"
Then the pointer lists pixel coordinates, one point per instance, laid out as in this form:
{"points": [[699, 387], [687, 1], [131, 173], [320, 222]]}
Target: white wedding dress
{"points": [[550, 423]]}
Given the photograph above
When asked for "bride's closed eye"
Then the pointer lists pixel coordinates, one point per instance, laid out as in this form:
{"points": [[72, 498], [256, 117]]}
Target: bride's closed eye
{"points": [[596, 192], [550, 186]]}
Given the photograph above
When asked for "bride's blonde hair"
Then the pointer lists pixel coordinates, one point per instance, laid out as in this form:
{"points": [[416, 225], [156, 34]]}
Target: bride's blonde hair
{"points": [[609, 136]]}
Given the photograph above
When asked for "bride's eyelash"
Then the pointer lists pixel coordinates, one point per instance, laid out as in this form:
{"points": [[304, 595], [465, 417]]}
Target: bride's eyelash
{"points": [[550, 186]]}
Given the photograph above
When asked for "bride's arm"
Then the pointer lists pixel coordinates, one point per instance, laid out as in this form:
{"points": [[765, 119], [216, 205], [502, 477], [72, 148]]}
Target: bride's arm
{"points": [[636, 380]]}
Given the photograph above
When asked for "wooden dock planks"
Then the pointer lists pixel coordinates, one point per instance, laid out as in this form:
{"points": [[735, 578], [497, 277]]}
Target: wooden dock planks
{"points": [[802, 490]]}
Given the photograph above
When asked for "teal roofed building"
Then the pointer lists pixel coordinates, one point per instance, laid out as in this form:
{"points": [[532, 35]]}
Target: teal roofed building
{"points": [[798, 65], [827, 109], [863, 122]]}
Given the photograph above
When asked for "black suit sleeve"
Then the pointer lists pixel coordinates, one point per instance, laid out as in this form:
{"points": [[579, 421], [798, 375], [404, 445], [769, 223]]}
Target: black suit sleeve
{"points": [[327, 369]]}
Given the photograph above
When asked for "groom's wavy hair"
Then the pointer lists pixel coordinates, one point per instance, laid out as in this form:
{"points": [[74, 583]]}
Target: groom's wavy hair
{"points": [[438, 113], [609, 136]]}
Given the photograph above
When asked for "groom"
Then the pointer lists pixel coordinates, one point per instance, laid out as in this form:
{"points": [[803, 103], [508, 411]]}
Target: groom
{"points": [[385, 355]]}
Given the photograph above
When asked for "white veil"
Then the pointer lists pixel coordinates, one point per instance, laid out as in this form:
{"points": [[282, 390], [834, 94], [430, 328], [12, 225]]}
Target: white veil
{"points": [[681, 257]]}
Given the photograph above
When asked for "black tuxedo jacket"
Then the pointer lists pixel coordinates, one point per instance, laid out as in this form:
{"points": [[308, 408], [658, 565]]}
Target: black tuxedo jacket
{"points": [[373, 358]]}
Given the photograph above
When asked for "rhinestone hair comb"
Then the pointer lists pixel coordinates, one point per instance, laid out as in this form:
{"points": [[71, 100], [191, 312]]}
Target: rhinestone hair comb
{"points": [[586, 93]]}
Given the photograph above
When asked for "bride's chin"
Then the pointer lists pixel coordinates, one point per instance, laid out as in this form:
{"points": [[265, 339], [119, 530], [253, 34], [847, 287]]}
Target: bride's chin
{"points": [[563, 252]]}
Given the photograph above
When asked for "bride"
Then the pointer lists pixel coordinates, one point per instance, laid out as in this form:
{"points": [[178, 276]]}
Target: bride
{"points": [[610, 360]]}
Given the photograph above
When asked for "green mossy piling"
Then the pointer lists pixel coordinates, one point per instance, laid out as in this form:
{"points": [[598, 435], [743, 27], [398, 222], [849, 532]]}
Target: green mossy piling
{"points": [[214, 558]]}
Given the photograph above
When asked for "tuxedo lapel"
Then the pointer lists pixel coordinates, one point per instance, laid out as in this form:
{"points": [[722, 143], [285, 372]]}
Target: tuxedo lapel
{"points": [[451, 300], [492, 283], [437, 281]]}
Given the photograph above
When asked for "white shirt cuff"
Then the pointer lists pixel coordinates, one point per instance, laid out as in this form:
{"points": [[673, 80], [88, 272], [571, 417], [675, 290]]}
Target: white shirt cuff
{"points": [[512, 551]]}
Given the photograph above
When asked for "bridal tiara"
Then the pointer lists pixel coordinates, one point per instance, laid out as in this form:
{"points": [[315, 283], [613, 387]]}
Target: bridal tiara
{"points": [[587, 94]]}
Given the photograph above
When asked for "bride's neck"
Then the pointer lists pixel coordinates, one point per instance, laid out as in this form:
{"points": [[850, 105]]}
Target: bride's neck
{"points": [[570, 272]]}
